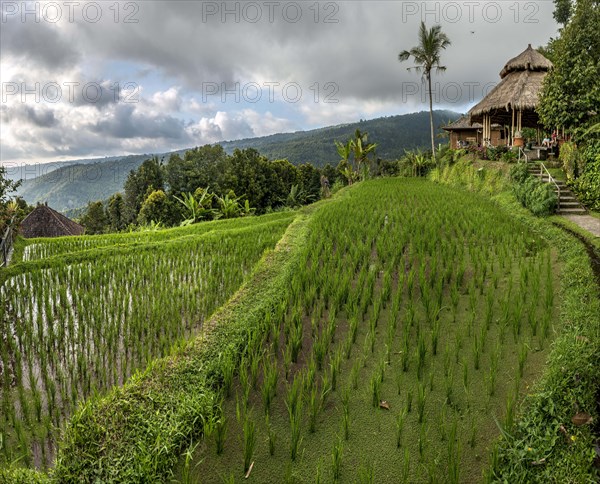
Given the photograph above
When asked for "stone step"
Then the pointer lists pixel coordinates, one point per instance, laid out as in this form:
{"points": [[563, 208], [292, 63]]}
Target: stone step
{"points": [[572, 211], [568, 202], [544, 176], [566, 192], [559, 183]]}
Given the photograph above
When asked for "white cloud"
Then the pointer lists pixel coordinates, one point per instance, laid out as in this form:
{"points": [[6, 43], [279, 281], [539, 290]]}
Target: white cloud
{"points": [[167, 101]]}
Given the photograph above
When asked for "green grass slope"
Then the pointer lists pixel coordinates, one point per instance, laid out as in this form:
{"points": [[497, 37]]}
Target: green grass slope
{"points": [[420, 316]]}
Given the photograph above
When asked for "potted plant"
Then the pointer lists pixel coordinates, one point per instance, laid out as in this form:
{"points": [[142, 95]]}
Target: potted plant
{"points": [[518, 140]]}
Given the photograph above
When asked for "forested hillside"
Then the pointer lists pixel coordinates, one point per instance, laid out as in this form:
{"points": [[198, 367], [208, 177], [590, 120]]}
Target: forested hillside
{"points": [[393, 135], [73, 186]]}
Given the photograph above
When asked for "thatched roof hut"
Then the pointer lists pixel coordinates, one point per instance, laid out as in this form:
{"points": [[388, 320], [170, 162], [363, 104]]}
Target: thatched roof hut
{"points": [[46, 222], [513, 101]]}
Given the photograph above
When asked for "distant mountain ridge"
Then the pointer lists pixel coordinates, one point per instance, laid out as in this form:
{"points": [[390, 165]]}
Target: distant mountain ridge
{"points": [[29, 171], [393, 135], [73, 186], [76, 183]]}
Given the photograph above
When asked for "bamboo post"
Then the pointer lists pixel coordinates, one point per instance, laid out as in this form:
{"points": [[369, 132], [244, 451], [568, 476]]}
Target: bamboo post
{"points": [[512, 127]]}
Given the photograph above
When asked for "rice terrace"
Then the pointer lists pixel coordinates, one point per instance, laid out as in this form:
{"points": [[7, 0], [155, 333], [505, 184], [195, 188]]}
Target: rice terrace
{"points": [[393, 349], [389, 336], [199, 284]]}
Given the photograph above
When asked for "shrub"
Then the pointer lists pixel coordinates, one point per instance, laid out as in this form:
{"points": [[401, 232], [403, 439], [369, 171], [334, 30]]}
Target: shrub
{"points": [[479, 151], [337, 186], [541, 200], [449, 156], [537, 196], [519, 173], [495, 153], [509, 156], [569, 157], [587, 186]]}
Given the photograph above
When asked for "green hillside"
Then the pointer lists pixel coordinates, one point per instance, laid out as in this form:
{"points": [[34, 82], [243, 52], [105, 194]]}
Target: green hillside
{"points": [[19, 171], [393, 135], [73, 186]]}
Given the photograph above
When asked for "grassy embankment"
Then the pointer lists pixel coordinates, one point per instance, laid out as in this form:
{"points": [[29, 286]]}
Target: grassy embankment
{"points": [[440, 413]]}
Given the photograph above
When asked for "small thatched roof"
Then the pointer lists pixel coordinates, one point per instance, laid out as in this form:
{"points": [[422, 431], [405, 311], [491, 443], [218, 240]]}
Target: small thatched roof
{"points": [[46, 222], [528, 60], [519, 89], [463, 123]]}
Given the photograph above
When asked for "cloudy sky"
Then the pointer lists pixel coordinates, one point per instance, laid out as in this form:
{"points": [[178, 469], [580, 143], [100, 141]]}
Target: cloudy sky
{"points": [[90, 79]]}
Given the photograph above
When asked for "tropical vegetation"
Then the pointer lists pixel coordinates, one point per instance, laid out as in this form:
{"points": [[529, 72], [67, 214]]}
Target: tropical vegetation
{"points": [[570, 98], [427, 56]]}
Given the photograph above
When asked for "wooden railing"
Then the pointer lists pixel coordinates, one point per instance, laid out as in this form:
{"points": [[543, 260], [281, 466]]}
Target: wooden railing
{"points": [[6, 244], [521, 152], [550, 180]]}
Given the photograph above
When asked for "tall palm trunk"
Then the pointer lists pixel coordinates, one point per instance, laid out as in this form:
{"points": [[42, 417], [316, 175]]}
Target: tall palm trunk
{"points": [[431, 116], [427, 57]]}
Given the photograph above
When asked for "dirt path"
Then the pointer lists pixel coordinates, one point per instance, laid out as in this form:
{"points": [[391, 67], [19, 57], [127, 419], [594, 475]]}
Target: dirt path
{"points": [[586, 222]]}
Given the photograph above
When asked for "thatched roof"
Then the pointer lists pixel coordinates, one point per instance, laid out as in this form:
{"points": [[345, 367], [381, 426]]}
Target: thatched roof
{"points": [[463, 123], [528, 60], [519, 89], [46, 222]]}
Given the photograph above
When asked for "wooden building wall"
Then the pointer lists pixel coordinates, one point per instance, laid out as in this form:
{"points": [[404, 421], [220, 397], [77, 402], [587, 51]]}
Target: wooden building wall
{"points": [[473, 137]]}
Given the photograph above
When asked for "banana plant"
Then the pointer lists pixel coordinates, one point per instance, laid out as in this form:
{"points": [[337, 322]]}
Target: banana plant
{"points": [[297, 197], [362, 150], [229, 205], [196, 208], [344, 167]]}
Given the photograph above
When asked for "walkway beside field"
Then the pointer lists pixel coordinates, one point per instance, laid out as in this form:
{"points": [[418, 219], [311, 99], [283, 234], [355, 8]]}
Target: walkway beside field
{"points": [[586, 222]]}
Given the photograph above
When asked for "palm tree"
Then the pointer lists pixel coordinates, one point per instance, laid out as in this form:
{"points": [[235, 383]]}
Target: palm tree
{"points": [[427, 56]]}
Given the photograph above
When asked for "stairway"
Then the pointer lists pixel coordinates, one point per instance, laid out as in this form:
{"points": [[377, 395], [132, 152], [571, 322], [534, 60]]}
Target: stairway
{"points": [[568, 203]]}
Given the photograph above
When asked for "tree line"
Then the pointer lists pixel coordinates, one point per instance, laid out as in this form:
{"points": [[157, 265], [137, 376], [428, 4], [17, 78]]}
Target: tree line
{"points": [[204, 184]]}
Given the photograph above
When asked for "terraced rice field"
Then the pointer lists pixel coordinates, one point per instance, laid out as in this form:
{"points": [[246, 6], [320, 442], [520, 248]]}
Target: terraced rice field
{"points": [[84, 313], [416, 319]]}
